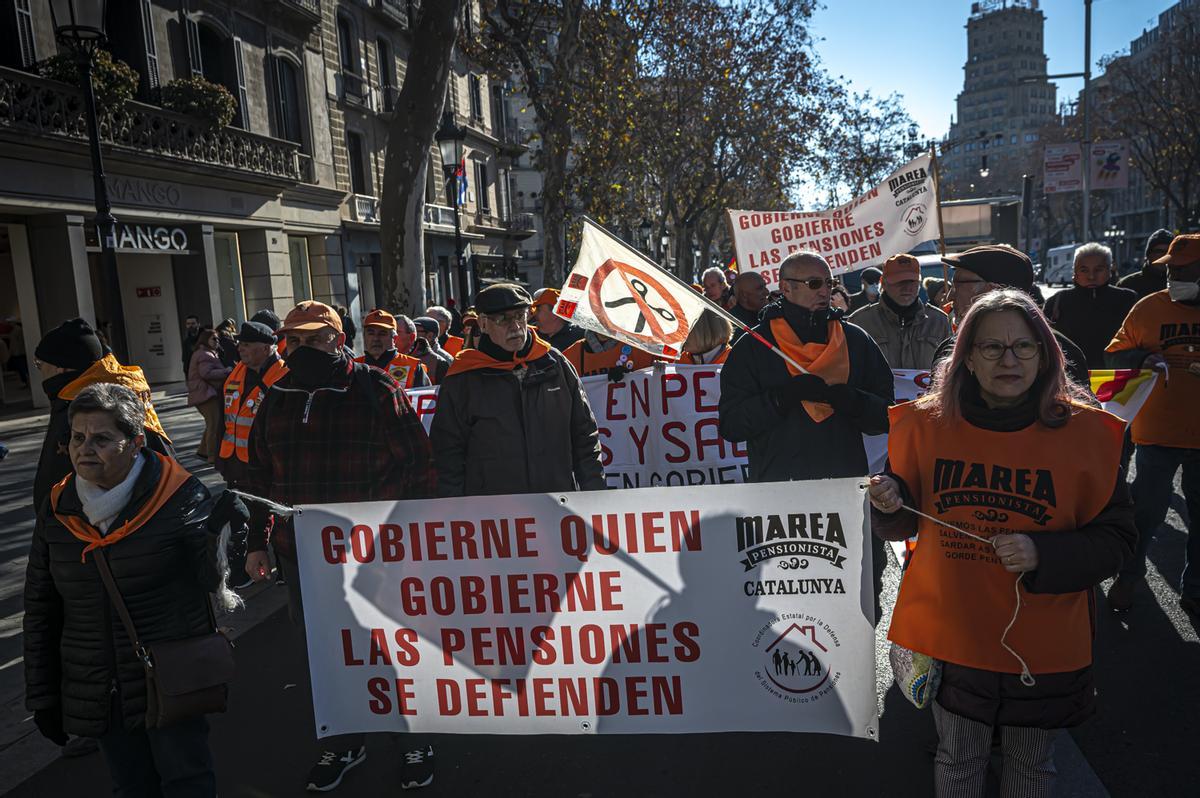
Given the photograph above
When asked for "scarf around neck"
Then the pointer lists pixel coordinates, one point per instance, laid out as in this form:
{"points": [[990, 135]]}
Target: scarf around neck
{"points": [[101, 505], [490, 356], [829, 359]]}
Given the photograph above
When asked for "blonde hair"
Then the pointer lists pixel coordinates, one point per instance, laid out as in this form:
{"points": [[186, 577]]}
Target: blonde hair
{"points": [[710, 332]]}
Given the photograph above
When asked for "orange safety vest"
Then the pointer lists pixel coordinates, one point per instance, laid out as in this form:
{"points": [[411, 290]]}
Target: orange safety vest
{"points": [[403, 368], [956, 598], [241, 407], [453, 344], [589, 363]]}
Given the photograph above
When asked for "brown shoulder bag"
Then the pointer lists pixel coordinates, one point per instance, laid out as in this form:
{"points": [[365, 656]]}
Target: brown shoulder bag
{"points": [[184, 678]]}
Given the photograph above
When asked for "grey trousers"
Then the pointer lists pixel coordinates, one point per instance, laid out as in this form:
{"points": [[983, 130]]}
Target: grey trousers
{"points": [[965, 746]]}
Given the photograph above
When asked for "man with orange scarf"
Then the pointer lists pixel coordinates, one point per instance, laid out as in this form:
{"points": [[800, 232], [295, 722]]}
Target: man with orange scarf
{"points": [[70, 358], [512, 416], [805, 424]]}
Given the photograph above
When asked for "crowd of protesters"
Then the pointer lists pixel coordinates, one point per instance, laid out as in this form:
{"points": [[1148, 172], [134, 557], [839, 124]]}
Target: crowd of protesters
{"points": [[1009, 390]]}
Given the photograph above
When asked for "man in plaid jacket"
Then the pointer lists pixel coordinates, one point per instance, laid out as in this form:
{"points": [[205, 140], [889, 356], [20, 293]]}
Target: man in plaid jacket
{"points": [[332, 430]]}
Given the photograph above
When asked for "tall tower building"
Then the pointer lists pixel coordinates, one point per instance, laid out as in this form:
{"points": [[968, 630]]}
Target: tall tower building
{"points": [[1005, 100]]}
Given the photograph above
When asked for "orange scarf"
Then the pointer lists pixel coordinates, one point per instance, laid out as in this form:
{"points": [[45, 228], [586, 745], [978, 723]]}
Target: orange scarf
{"points": [[108, 369], [472, 359], [170, 480], [829, 361]]}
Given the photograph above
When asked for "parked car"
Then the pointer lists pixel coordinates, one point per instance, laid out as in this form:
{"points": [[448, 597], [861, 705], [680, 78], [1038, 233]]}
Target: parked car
{"points": [[1060, 265]]}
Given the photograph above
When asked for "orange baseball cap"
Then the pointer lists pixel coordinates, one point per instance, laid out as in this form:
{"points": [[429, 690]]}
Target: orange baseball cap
{"points": [[546, 296], [311, 315], [1184, 251], [901, 267], [380, 318]]}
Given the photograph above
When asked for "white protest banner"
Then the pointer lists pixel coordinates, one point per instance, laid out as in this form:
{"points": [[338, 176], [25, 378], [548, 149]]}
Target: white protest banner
{"points": [[908, 385], [1109, 164], [615, 291], [1061, 168], [895, 216], [723, 608]]}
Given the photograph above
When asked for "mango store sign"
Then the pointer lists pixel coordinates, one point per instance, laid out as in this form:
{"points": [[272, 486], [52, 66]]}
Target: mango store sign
{"points": [[149, 238]]}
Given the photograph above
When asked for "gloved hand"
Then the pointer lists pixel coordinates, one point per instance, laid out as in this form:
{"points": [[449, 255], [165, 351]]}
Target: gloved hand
{"points": [[229, 509], [801, 388], [49, 723], [617, 373], [844, 399]]}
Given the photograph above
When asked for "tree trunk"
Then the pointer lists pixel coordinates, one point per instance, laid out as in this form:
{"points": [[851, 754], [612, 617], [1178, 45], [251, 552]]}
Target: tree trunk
{"points": [[554, 208], [410, 134]]}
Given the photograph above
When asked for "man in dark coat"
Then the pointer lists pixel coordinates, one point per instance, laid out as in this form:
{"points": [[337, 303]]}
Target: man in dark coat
{"points": [[869, 294], [511, 415], [1153, 275], [70, 357], [992, 266], [796, 425], [1091, 312], [750, 293]]}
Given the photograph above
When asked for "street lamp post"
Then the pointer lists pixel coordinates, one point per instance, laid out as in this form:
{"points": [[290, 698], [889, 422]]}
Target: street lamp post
{"points": [[450, 138], [79, 26]]}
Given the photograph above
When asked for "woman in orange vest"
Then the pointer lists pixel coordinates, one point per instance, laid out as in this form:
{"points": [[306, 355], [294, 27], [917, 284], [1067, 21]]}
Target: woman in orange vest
{"points": [[599, 354], [1023, 473], [708, 342]]}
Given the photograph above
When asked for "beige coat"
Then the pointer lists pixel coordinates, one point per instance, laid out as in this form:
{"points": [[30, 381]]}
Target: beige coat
{"points": [[908, 345]]}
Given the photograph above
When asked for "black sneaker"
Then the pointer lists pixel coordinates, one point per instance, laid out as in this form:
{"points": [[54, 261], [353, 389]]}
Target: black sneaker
{"points": [[417, 768], [332, 766]]}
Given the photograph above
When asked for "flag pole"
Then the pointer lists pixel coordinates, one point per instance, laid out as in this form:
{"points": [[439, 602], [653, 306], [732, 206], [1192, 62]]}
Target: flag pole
{"points": [[937, 201], [720, 311]]}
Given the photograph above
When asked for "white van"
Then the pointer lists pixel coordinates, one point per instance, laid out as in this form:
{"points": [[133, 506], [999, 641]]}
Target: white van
{"points": [[1060, 265]]}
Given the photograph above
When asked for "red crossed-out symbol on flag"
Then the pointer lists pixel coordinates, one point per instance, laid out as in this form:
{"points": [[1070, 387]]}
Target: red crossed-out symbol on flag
{"points": [[639, 283]]}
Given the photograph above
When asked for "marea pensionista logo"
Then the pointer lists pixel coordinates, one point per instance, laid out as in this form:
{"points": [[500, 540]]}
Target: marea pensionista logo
{"points": [[797, 660]]}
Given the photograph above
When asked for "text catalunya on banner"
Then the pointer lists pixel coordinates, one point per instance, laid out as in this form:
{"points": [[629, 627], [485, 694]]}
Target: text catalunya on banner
{"points": [[683, 610]]}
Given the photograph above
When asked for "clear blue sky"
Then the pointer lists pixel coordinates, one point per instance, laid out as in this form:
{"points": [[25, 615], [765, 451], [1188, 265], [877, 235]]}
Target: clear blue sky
{"points": [[917, 47]]}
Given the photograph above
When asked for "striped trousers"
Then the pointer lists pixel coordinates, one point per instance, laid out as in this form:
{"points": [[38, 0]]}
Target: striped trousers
{"points": [[965, 747]]}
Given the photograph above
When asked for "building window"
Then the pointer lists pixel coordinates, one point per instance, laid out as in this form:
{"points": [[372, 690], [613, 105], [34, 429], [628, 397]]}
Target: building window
{"points": [[387, 73], [356, 153], [220, 62], [298, 256], [468, 20], [26, 49], [131, 39], [481, 188], [288, 104], [347, 45], [476, 91]]}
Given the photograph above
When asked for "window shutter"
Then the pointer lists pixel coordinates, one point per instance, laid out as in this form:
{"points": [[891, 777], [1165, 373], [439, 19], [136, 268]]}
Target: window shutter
{"points": [[151, 50], [25, 40], [193, 47], [243, 115]]}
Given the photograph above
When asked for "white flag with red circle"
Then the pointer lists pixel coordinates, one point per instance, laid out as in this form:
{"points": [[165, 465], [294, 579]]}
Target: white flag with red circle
{"points": [[616, 291]]}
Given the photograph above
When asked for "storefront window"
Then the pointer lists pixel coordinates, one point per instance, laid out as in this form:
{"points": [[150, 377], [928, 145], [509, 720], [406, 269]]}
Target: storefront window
{"points": [[298, 254], [229, 276]]}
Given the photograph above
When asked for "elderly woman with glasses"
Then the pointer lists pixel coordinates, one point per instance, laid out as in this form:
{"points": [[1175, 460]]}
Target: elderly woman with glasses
{"points": [[1017, 475], [155, 526]]}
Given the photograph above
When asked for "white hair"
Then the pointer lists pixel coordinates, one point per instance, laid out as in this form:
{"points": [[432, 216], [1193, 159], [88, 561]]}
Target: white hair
{"points": [[1093, 248], [441, 314], [717, 270]]}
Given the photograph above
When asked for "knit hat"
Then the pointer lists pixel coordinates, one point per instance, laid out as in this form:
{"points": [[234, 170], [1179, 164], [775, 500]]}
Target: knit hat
{"points": [[72, 345], [268, 317], [996, 263], [1157, 239]]}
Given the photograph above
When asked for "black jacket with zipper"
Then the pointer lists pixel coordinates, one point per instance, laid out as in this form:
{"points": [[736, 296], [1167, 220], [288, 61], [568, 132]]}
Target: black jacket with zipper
{"points": [[1090, 317], [526, 430], [76, 649], [784, 442]]}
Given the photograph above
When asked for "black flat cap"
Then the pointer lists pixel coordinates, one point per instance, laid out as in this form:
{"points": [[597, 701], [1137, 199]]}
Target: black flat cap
{"points": [[501, 297], [996, 263], [255, 332]]}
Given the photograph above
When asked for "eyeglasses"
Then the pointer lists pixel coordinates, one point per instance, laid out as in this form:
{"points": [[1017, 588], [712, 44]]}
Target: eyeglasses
{"points": [[812, 283], [1022, 350], [519, 315]]}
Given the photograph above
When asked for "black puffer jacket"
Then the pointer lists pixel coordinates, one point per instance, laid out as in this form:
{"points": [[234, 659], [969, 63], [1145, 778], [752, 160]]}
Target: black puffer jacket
{"points": [[785, 443], [1090, 317], [496, 434], [76, 650], [55, 463]]}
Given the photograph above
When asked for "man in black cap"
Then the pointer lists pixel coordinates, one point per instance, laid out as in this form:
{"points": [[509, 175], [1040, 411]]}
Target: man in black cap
{"points": [[1153, 275], [511, 415], [869, 294], [71, 357], [992, 266], [260, 367], [428, 349]]}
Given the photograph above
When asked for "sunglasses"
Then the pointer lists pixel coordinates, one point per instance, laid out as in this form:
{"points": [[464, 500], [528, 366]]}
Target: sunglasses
{"points": [[812, 283]]}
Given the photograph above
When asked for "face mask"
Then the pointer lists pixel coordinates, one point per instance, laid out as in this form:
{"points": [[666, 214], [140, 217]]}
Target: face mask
{"points": [[312, 366], [872, 289], [1183, 291]]}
